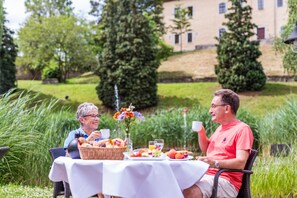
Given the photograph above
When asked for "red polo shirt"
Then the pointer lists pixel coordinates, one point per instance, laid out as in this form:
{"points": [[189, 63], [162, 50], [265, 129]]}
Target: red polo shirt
{"points": [[224, 143]]}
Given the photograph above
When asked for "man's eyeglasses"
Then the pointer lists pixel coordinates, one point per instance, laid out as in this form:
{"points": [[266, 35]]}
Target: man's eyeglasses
{"points": [[212, 106], [93, 116]]}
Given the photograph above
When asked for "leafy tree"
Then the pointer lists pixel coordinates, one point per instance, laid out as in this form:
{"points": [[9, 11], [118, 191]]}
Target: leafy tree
{"points": [[8, 54], [290, 57], [181, 23], [58, 42], [48, 8], [128, 58], [238, 68]]}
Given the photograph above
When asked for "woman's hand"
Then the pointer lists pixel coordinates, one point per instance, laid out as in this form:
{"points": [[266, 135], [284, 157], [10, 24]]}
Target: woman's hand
{"points": [[94, 135]]}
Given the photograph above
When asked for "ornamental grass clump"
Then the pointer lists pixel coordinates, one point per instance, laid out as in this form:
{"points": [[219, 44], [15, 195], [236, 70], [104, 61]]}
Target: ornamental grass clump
{"points": [[30, 126], [275, 176], [280, 126]]}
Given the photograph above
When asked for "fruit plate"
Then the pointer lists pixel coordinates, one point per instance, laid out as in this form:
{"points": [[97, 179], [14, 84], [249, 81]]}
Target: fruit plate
{"points": [[144, 158], [185, 159]]}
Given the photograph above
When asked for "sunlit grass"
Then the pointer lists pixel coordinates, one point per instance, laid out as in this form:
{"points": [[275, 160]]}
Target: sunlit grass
{"points": [[174, 95], [20, 191], [76, 93]]}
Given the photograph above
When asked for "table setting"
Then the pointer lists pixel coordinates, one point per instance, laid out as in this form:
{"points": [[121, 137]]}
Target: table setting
{"points": [[114, 168], [144, 172]]}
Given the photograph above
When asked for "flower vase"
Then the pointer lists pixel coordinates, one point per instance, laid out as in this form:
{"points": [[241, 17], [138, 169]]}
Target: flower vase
{"points": [[129, 143]]}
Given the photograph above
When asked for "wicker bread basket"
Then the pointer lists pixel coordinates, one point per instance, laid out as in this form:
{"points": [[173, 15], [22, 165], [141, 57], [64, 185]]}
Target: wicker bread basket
{"points": [[101, 153]]}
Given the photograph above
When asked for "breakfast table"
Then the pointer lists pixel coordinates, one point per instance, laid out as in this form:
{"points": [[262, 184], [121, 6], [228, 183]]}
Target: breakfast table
{"points": [[127, 178]]}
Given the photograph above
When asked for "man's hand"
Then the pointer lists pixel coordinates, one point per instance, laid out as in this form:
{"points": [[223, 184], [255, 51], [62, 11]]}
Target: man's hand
{"points": [[235, 163], [206, 160]]}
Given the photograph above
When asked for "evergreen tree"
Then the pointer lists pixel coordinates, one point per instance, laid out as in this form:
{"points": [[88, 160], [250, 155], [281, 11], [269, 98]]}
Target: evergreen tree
{"points": [[238, 68], [128, 58], [1, 20], [8, 54]]}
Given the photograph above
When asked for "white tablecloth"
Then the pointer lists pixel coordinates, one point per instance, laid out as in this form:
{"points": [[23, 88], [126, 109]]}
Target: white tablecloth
{"points": [[129, 179]]}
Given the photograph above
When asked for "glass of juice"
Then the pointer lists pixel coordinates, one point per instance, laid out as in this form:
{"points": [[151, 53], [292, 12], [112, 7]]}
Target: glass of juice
{"points": [[151, 145]]}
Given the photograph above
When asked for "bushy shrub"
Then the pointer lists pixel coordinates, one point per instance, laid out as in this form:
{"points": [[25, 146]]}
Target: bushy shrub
{"points": [[49, 72]]}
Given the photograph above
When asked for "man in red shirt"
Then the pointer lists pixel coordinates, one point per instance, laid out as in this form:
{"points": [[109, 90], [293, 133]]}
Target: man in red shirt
{"points": [[228, 147]]}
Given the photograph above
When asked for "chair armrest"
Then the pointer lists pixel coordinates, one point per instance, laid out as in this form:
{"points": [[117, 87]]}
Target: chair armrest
{"points": [[217, 175]]}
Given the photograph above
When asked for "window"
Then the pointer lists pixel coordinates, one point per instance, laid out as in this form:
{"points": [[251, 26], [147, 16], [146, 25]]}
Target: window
{"points": [[176, 11], [222, 8], [279, 3], [260, 33], [176, 39], [221, 32], [260, 4], [190, 12], [190, 37]]}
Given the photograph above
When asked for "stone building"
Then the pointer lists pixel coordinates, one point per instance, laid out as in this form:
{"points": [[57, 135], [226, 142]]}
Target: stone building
{"points": [[206, 18]]}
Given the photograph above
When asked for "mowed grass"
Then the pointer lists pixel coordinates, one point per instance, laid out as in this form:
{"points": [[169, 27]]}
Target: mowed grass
{"points": [[174, 95], [76, 93], [20, 191]]}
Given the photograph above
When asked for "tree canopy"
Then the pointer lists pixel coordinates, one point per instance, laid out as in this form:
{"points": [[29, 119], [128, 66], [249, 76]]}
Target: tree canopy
{"points": [[48, 8], [54, 40], [59, 41]]}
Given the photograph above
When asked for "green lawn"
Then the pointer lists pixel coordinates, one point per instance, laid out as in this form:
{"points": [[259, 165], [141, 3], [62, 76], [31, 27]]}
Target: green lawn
{"points": [[176, 95]]}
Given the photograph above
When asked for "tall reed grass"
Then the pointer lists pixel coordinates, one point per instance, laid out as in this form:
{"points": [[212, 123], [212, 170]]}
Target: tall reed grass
{"points": [[30, 127], [280, 126], [275, 176]]}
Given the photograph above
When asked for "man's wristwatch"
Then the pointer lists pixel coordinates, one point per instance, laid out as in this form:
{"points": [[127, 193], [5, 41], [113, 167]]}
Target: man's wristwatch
{"points": [[216, 164]]}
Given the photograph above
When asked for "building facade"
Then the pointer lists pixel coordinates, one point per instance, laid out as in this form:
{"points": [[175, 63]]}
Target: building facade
{"points": [[206, 18]]}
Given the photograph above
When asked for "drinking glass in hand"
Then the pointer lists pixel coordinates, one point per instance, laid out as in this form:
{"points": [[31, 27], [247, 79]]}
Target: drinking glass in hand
{"points": [[159, 144]]}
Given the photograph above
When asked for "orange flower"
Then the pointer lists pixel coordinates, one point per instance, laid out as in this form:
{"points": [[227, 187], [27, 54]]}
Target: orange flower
{"points": [[116, 115], [129, 114]]}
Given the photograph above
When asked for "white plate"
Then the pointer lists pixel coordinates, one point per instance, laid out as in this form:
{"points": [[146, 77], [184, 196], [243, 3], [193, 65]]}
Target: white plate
{"points": [[185, 159], [144, 158]]}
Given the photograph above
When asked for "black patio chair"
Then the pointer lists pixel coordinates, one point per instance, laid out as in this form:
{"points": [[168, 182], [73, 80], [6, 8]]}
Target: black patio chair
{"points": [[3, 150], [244, 191], [60, 188]]}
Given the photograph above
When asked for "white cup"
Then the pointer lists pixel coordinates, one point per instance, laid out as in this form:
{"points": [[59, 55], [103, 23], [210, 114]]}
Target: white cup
{"points": [[196, 126], [105, 133]]}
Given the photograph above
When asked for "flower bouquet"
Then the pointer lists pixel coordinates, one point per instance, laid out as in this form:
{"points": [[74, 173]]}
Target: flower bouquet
{"points": [[127, 116]]}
